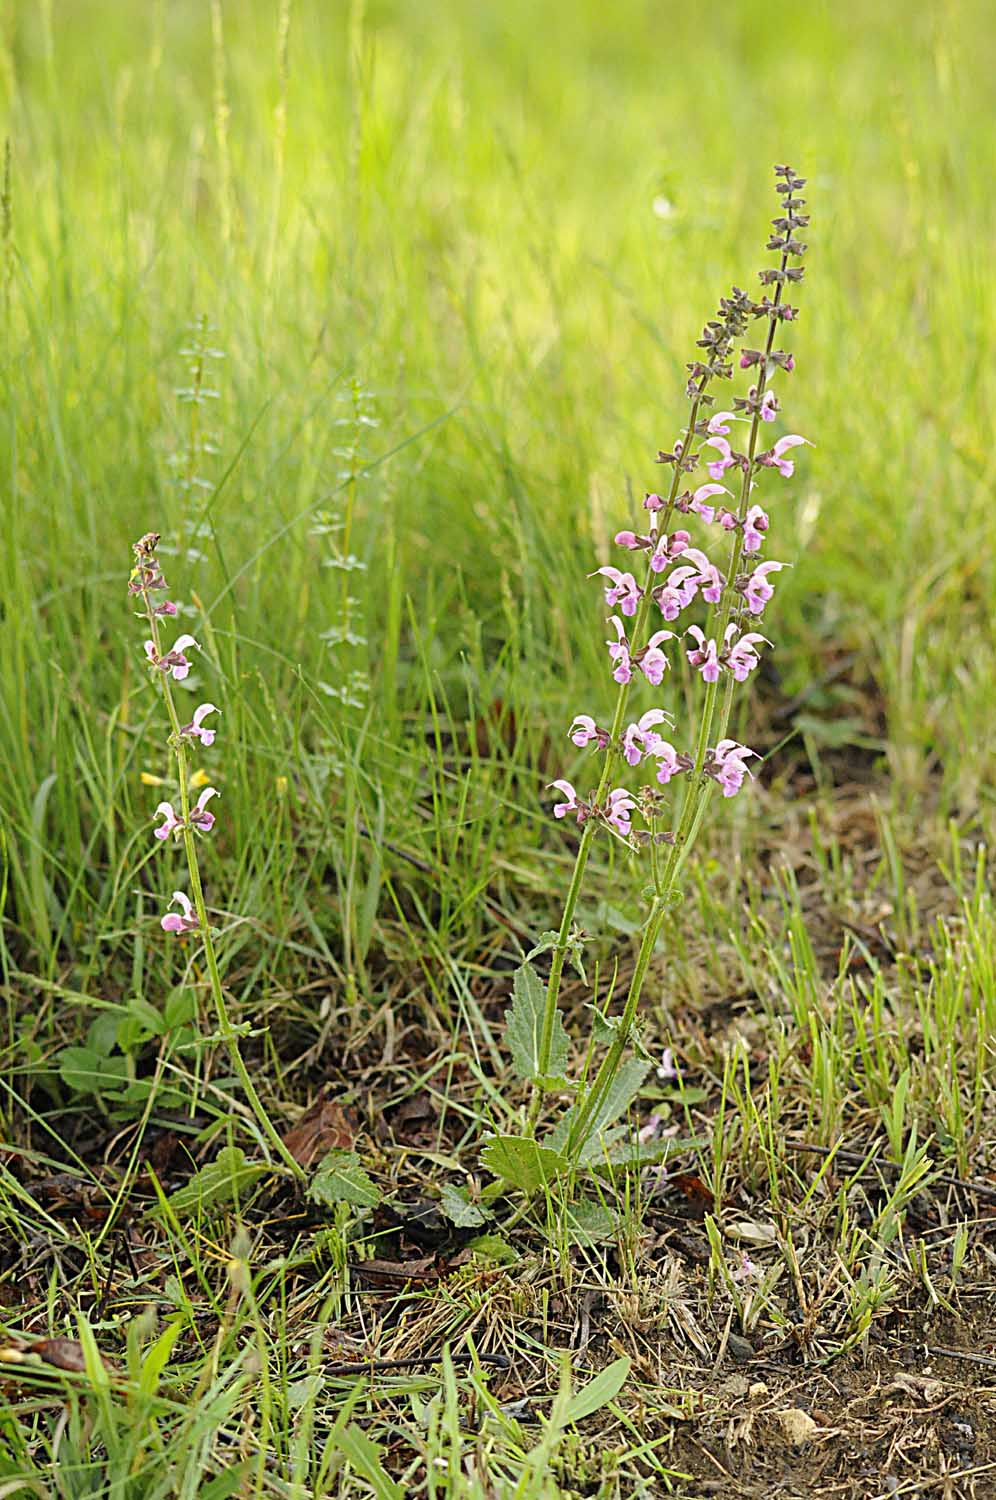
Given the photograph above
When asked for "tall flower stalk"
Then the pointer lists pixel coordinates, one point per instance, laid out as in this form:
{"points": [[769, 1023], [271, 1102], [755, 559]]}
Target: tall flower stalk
{"points": [[168, 666], [724, 652]]}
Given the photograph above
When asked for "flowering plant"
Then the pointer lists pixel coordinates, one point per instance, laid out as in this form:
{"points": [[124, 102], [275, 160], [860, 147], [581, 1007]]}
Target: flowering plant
{"points": [[168, 666], [723, 649]]}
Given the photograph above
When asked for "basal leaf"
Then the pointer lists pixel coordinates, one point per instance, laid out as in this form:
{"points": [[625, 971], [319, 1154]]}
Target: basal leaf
{"points": [[599, 1392], [599, 1136], [217, 1184], [87, 1071], [589, 1222], [339, 1178], [456, 1204], [522, 1162], [493, 1247], [364, 1456], [524, 1029]]}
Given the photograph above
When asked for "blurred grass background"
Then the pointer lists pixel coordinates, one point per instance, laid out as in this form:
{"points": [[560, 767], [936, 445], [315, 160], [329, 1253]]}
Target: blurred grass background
{"points": [[455, 258]]}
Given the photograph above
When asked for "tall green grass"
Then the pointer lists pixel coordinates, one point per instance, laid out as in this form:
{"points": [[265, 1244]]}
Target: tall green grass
{"points": [[503, 225]]}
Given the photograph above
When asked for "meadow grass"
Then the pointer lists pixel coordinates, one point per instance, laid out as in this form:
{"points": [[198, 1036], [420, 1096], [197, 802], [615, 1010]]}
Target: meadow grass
{"points": [[454, 258]]}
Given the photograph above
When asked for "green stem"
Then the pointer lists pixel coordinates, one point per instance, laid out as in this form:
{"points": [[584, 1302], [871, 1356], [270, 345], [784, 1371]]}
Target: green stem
{"points": [[587, 1111], [696, 799], [584, 848], [225, 1027]]}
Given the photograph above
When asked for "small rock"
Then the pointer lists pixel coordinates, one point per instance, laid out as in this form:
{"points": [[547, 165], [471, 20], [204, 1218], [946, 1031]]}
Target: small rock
{"points": [[740, 1349], [797, 1425]]}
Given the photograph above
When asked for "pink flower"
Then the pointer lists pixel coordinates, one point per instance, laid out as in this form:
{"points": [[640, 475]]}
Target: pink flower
{"points": [[769, 406], [747, 1270], [725, 461], [705, 656], [755, 523], [194, 731], [653, 502], [666, 1070], [725, 765], [774, 459], [618, 809], [629, 539], [707, 512], [584, 730], [742, 658], [757, 591], [708, 576], [640, 738], [184, 921], [669, 762], [719, 423], [652, 661], [572, 803], [619, 651], [623, 590], [678, 592], [172, 823], [173, 661], [667, 549], [166, 608], [199, 816]]}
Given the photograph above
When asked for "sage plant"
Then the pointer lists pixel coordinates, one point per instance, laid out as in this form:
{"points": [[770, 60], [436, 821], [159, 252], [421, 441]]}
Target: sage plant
{"points": [[668, 575], [169, 664]]}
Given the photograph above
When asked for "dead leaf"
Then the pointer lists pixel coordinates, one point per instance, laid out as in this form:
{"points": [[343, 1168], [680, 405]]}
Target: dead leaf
{"points": [[423, 1269], [63, 1354], [754, 1231], [797, 1425], [700, 1199], [918, 1385], [323, 1127]]}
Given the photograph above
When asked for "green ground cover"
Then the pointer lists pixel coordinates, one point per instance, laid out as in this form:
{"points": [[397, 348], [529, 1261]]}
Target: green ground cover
{"points": [[379, 314]]}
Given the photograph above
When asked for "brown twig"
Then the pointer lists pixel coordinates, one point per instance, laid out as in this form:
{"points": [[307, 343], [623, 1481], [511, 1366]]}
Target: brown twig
{"points": [[413, 1362], [937, 1352]]}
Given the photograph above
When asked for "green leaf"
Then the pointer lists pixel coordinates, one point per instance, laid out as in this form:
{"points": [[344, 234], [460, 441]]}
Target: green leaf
{"points": [[224, 1484], [589, 1223], [524, 1029], [598, 1392], [522, 1162], [102, 1033], [181, 1008], [575, 949], [157, 1358], [217, 1184], [605, 1028], [339, 1178], [621, 1092], [148, 1017], [596, 1149], [363, 1456], [456, 1204], [547, 941], [86, 1071], [493, 1247], [630, 1152]]}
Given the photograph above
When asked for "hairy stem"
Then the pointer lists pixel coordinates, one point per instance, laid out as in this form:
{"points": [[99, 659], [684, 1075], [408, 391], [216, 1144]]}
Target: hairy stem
{"points": [[584, 848], [695, 800]]}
